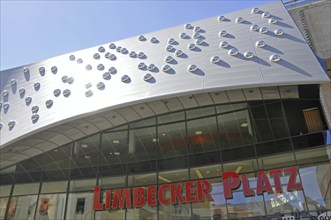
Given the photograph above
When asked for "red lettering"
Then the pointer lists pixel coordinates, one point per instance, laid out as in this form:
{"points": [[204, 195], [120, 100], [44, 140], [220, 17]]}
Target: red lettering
{"points": [[276, 175], [162, 198], [263, 184], [120, 198], [151, 195], [108, 197], [139, 199], [204, 189], [97, 205], [247, 191], [176, 194], [189, 191], [231, 182], [292, 185]]}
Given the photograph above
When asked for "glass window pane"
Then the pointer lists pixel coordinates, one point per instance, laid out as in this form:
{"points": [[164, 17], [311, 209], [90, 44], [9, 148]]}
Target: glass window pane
{"points": [[273, 147], [80, 206], [82, 185], [24, 189], [57, 164], [311, 156], [172, 164], [316, 184], [112, 182], [53, 187], [5, 190], [206, 171], [143, 123], [277, 161], [7, 175], [274, 109], [142, 144], [235, 129], [202, 134], [51, 206], [214, 209], [230, 107], [200, 112], [286, 202], [308, 140], [111, 214], [3, 206], [23, 207], [171, 139], [242, 207], [142, 173], [178, 211], [27, 177], [173, 117], [114, 148], [173, 176], [243, 166], [238, 153], [145, 212], [85, 157], [200, 159]]}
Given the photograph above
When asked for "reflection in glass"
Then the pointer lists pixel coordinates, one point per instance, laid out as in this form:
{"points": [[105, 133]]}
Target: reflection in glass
{"points": [[5, 190], [23, 207], [24, 189], [206, 171], [54, 187], [82, 185], [3, 206], [177, 211], [313, 155], [286, 202], [142, 144], [56, 164], [112, 182], [316, 183], [240, 206], [173, 117], [111, 214], [244, 166], [276, 161], [80, 206], [114, 148], [85, 157], [202, 134], [173, 176], [145, 212], [51, 207], [200, 112], [235, 128], [171, 139], [215, 209], [142, 179]]}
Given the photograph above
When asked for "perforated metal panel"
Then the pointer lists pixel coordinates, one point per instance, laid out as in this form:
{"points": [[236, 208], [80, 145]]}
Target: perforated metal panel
{"points": [[88, 95]]}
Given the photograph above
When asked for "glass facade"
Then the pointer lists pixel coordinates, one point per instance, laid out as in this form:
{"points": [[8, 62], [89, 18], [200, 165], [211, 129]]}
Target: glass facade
{"points": [[193, 144]]}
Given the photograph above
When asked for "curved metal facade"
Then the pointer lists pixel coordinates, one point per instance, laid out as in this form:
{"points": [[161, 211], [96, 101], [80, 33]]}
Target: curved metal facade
{"points": [[41, 99]]}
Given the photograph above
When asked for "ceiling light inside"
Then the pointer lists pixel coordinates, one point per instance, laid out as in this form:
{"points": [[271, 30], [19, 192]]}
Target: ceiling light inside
{"points": [[238, 169], [244, 125], [198, 173], [164, 179]]}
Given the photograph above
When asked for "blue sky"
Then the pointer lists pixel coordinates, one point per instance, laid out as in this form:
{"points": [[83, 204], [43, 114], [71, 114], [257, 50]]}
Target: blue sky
{"points": [[32, 31]]}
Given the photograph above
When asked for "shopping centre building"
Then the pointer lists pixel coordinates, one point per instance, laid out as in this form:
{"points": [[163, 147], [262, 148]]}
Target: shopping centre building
{"points": [[222, 118]]}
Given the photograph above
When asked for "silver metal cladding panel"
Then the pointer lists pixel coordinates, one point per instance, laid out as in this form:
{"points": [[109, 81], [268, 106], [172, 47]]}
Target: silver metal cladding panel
{"points": [[85, 90]]}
